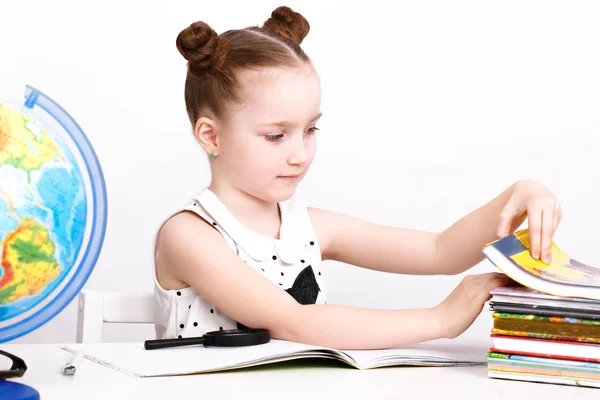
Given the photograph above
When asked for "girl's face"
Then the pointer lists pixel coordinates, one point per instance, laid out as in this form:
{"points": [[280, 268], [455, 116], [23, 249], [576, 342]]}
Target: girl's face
{"points": [[268, 142]]}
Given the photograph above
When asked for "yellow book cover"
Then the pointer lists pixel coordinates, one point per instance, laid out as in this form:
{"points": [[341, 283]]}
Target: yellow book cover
{"points": [[563, 276]]}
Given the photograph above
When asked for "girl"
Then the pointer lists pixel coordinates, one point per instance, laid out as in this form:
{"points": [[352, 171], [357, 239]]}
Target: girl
{"points": [[246, 252]]}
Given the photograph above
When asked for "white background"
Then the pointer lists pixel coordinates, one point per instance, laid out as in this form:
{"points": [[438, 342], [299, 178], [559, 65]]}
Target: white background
{"points": [[431, 109]]}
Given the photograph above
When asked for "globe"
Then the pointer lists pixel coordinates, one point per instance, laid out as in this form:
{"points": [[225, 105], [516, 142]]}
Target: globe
{"points": [[52, 212]]}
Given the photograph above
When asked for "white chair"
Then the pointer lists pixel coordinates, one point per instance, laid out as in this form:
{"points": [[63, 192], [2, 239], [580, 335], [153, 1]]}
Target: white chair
{"points": [[96, 308]]}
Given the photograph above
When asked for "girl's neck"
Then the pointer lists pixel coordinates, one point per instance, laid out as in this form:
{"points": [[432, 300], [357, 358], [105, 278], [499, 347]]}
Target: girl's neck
{"points": [[255, 214]]}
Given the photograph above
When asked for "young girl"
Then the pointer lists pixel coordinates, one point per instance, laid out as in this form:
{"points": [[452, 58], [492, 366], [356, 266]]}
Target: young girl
{"points": [[246, 252]]}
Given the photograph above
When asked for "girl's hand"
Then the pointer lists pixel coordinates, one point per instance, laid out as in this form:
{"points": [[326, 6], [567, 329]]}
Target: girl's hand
{"points": [[533, 201], [458, 311]]}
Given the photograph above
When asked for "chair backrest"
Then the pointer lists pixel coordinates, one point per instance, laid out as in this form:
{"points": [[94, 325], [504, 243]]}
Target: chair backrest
{"points": [[96, 308]]}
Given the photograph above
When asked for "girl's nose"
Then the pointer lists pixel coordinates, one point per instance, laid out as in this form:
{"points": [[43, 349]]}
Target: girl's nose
{"points": [[298, 154]]}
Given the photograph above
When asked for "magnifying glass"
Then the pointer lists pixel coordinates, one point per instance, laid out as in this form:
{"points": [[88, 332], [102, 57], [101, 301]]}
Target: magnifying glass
{"points": [[225, 338]]}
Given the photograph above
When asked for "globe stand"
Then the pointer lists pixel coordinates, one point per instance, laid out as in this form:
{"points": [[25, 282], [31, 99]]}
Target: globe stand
{"points": [[17, 391]]}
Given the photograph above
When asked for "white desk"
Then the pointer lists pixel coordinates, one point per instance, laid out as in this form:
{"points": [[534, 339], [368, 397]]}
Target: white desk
{"points": [[305, 380]]}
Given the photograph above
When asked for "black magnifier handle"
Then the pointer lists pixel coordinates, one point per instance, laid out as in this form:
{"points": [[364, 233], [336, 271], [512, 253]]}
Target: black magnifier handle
{"points": [[162, 343]]}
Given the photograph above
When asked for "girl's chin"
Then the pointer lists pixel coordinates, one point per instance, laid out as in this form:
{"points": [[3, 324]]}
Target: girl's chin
{"points": [[282, 193]]}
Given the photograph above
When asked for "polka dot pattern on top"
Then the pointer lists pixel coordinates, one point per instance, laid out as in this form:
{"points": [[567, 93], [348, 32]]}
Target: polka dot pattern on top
{"points": [[291, 262]]}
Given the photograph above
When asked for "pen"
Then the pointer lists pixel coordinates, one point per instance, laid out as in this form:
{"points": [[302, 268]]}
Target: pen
{"points": [[71, 367]]}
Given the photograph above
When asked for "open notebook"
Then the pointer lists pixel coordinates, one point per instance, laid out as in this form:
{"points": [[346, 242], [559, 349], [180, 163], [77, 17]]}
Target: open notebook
{"points": [[134, 360]]}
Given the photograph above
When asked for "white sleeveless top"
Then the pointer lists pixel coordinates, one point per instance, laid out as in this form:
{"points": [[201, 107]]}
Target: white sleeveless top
{"points": [[291, 262]]}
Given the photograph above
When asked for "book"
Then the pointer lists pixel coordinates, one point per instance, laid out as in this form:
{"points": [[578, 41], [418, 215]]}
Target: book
{"points": [[546, 327], [525, 295], [563, 276], [132, 359], [544, 379], [511, 363], [523, 300], [546, 356], [541, 310], [547, 347]]}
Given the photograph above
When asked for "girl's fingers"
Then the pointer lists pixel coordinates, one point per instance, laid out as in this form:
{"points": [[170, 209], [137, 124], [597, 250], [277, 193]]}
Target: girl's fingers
{"points": [[557, 216], [547, 233], [506, 217], [534, 214]]}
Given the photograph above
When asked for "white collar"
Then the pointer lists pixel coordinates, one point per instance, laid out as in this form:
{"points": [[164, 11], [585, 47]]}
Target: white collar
{"points": [[260, 247]]}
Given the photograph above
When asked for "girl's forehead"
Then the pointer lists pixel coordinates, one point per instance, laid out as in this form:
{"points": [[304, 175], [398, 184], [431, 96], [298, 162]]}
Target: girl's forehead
{"points": [[269, 93], [271, 75]]}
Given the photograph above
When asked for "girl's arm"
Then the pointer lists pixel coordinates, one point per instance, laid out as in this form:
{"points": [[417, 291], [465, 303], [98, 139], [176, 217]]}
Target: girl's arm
{"points": [[460, 245], [383, 248], [191, 252], [458, 248]]}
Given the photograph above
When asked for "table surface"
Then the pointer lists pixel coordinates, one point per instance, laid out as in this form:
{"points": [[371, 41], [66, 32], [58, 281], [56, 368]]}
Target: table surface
{"points": [[301, 379]]}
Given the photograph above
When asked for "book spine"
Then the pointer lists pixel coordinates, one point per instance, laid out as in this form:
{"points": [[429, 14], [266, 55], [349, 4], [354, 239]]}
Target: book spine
{"points": [[545, 355], [545, 318], [546, 336], [491, 354]]}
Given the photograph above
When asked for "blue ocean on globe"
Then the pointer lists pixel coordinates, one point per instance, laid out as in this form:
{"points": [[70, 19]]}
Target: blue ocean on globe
{"points": [[52, 212], [63, 210]]}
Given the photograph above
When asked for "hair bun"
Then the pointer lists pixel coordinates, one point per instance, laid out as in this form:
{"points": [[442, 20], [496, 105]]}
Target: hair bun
{"points": [[199, 44], [288, 24]]}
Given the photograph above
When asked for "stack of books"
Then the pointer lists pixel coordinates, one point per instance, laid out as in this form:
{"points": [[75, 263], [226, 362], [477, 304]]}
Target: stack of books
{"points": [[548, 329]]}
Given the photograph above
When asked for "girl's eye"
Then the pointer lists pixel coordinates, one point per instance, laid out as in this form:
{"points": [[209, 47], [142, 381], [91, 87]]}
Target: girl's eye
{"points": [[274, 138], [312, 129]]}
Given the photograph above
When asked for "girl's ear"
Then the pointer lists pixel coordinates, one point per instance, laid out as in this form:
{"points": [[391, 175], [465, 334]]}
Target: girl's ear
{"points": [[206, 134]]}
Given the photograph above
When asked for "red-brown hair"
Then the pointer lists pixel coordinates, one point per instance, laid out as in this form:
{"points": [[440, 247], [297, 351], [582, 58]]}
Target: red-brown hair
{"points": [[214, 61]]}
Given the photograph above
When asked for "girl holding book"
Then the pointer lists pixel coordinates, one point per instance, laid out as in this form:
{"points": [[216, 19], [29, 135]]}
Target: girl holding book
{"points": [[246, 251]]}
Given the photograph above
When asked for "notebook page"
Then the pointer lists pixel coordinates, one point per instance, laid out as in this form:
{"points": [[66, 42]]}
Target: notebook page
{"points": [[133, 359], [442, 350]]}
